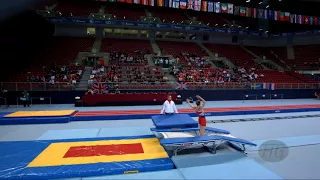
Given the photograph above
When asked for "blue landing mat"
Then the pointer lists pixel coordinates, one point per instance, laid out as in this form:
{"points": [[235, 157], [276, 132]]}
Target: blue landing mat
{"points": [[227, 113], [174, 121], [15, 157], [34, 120], [229, 165], [173, 174]]}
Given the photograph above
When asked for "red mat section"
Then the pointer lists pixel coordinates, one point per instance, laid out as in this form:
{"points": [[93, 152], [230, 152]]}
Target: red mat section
{"points": [[229, 109], [104, 150]]}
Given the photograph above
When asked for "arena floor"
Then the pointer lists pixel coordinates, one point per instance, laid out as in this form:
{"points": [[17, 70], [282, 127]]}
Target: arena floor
{"points": [[301, 136]]}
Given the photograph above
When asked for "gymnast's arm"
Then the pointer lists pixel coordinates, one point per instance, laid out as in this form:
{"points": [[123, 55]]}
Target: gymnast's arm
{"points": [[202, 100], [188, 102]]}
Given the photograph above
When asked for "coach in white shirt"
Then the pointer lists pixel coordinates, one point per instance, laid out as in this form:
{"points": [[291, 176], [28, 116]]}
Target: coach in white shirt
{"points": [[169, 107]]}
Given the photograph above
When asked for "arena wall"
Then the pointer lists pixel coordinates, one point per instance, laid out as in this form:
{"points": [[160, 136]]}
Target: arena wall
{"points": [[67, 97]]}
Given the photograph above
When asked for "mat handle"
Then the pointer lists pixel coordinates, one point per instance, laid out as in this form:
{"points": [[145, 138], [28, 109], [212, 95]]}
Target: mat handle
{"points": [[131, 172]]}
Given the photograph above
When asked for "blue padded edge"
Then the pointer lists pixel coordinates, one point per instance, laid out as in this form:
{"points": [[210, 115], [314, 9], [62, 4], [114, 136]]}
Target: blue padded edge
{"points": [[217, 130], [190, 129], [169, 141], [228, 113], [174, 121], [15, 156], [34, 120]]}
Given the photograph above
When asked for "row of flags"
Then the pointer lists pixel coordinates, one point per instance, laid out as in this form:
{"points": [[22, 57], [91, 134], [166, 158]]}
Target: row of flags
{"points": [[227, 8], [269, 86]]}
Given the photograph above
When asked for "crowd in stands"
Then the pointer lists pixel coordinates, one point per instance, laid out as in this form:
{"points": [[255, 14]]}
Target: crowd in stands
{"points": [[216, 76], [115, 74], [164, 62], [196, 61], [119, 58], [69, 74]]}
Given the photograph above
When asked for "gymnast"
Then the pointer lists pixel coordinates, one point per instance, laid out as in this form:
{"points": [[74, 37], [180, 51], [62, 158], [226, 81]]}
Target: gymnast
{"points": [[317, 95], [199, 108]]}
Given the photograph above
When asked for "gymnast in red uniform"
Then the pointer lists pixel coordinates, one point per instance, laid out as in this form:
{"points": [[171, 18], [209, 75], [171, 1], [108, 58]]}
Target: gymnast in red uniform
{"points": [[199, 108]]}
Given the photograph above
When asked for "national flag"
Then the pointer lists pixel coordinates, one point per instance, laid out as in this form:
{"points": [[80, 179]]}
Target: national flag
{"points": [[242, 11], [112, 0], [100, 88], [286, 16], [260, 13], [300, 19], [305, 19], [181, 86], [236, 10], [224, 8], [270, 14], [311, 20], [276, 15], [271, 86], [197, 5], [190, 4], [144, 2], [175, 4], [210, 6], [230, 8], [265, 14], [129, 1], [183, 4], [292, 18], [315, 20], [217, 7], [248, 11], [255, 12], [257, 86], [166, 3], [281, 16], [160, 3], [204, 6], [121, 0]]}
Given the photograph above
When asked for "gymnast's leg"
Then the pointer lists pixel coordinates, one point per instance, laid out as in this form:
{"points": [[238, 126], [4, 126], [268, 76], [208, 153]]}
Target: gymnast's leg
{"points": [[203, 124]]}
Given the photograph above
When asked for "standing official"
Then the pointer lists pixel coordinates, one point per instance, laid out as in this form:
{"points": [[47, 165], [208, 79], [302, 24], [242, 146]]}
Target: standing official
{"points": [[169, 107]]}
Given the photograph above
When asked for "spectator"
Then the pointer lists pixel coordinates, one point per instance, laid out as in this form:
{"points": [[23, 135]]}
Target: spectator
{"points": [[25, 98]]}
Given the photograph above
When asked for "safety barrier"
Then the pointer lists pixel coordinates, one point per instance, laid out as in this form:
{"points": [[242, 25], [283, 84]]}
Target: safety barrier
{"points": [[171, 85]]}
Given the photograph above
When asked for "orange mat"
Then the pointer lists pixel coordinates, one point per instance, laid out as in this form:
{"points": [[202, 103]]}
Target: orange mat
{"points": [[41, 113]]}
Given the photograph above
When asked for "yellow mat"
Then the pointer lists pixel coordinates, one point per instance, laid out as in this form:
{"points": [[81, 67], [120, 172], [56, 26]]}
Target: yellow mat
{"points": [[54, 154], [40, 113]]}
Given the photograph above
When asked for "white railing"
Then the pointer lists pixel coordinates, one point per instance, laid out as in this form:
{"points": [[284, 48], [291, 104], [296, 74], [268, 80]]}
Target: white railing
{"points": [[62, 86]]}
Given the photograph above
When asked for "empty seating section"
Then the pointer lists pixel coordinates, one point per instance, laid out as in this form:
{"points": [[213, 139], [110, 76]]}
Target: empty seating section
{"points": [[80, 9], [61, 52], [169, 15], [125, 12], [177, 49], [234, 53], [276, 77], [64, 50], [266, 51], [306, 57], [301, 77], [130, 47]]}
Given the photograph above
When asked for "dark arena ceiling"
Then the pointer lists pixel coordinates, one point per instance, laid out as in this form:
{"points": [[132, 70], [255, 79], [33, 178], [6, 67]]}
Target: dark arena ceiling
{"points": [[303, 7]]}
